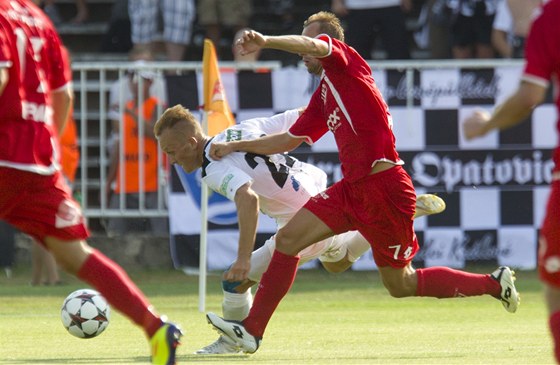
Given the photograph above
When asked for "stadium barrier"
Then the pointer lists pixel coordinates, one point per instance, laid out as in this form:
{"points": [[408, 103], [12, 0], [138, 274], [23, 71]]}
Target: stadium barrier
{"points": [[495, 187]]}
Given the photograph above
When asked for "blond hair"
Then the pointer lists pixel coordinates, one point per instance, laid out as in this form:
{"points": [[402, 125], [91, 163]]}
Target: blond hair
{"points": [[172, 116], [328, 24]]}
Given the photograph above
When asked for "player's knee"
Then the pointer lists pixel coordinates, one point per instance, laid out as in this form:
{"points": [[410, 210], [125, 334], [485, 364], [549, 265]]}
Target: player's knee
{"points": [[286, 243], [399, 288], [397, 291]]}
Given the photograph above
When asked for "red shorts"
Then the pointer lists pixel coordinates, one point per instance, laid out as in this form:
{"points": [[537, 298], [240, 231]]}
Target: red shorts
{"points": [[549, 240], [380, 206], [31, 202]]}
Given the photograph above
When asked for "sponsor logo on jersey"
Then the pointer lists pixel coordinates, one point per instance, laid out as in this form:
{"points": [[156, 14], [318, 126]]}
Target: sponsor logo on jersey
{"points": [[333, 122], [233, 135], [225, 183], [295, 183]]}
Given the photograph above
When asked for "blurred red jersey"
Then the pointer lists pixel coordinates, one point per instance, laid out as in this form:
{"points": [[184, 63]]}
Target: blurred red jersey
{"points": [[30, 50], [542, 55]]}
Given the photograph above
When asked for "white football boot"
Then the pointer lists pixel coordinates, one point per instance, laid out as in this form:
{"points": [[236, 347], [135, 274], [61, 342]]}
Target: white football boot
{"points": [[223, 345], [235, 332], [509, 295]]}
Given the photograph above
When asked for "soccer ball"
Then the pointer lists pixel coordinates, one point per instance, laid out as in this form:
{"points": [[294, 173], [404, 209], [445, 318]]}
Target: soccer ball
{"points": [[85, 313]]}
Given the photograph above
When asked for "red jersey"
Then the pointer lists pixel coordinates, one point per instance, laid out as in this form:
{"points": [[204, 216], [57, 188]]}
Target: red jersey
{"points": [[542, 54], [30, 49], [349, 104]]}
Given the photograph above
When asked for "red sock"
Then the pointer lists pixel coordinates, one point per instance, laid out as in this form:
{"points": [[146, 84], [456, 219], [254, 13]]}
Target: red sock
{"points": [[114, 284], [554, 323], [443, 282], [274, 285]]}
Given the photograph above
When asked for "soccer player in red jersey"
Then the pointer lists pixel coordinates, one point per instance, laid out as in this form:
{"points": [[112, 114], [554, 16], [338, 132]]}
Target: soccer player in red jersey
{"points": [[36, 95], [542, 56], [375, 197]]}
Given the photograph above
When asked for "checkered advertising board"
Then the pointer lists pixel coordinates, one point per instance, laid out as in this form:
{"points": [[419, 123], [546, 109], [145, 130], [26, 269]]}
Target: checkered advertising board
{"points": [[495, 187]]}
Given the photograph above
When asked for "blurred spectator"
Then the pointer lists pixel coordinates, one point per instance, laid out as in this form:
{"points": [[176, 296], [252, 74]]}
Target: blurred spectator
{"points": [[82, 13], [216, 15], [178, 17], [130, 183], [511, 26], [471, 31], [50, 8], [432, 34], [121, 89], [285, 10], [117, 39], [365, 19]]}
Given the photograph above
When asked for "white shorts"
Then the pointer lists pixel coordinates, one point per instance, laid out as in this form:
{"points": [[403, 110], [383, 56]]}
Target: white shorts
{"points": [[329, 250]]}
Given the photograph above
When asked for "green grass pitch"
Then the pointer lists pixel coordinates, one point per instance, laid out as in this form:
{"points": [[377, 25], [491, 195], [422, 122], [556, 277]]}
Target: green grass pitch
{"points": [[347, 318]]}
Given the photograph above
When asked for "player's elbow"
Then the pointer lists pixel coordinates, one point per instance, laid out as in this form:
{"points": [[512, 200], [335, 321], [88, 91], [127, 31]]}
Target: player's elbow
{"points": [[530, 95]]}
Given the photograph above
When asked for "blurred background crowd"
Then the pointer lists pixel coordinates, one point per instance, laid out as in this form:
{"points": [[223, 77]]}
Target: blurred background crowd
{"points": [[379, 29]]}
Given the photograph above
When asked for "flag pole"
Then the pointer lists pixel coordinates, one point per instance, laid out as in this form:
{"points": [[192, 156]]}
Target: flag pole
{"points": [[214, 102]]}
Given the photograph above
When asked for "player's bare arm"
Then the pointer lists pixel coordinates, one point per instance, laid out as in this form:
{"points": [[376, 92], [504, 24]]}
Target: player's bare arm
{"points": [[61, 102], [511, 112], [4, 78], [247, 203], [251, 41], [267, 145]]}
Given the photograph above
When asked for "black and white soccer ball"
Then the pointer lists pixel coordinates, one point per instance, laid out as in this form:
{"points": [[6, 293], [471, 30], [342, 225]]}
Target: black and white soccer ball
{"points": [[85, 313]]}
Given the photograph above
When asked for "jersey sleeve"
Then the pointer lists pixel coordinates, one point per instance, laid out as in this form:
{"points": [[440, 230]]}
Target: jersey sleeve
{"points": [[225, 179], [539, 53], [336, 59], [311, 124], [60, 75], [278, 123]]}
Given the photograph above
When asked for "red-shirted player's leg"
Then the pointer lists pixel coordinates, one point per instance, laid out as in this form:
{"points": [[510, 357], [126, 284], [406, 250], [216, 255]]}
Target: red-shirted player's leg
{"points": [[303, 230], [108, 278], [115, 285], [438, 282], [274, 285], [443, 282]]}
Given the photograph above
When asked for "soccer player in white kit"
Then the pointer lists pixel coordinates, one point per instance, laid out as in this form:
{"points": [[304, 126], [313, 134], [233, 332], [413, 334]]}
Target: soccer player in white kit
{"points": [[277, 184]]}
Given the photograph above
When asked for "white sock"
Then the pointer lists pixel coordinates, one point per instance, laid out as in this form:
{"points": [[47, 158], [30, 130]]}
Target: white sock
{"points": [[236, 306]]}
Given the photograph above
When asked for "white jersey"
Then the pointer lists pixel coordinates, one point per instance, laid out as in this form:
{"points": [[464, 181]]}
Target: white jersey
{"points": [[283, 183]]}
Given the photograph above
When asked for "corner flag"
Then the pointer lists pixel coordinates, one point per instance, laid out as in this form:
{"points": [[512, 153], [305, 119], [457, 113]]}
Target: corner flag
{"points": [[216, 107]]}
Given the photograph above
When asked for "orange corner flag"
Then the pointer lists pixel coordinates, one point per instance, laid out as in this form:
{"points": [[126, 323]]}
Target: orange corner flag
{"points": [[215, 102]]}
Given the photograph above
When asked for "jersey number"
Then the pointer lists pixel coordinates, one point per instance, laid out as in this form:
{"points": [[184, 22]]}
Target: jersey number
{"points": [[397, 249], [279, 174], [36, 46]]}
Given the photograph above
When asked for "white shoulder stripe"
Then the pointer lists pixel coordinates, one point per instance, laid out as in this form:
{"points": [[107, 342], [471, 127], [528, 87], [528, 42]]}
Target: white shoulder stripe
{"points": [[336, 96], [535, 80]]}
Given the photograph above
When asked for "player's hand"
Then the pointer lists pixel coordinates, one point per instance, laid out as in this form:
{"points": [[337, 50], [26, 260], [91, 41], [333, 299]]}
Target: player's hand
{"points": [[475, 125], [250, 41], [219, 150], [239, 271]]}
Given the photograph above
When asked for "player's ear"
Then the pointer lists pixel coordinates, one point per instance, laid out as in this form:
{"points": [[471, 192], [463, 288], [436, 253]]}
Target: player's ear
{"points": [[192, 142]]}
